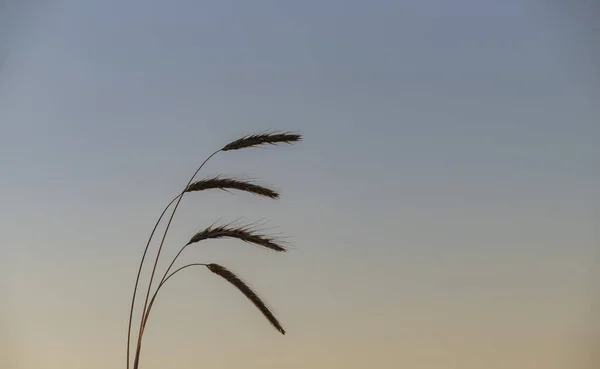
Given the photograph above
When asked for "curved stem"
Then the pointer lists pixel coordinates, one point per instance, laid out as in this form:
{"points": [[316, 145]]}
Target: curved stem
{"points": [[162, 283], [143, 324], [137, 279], [141, 331], [171, 265]]}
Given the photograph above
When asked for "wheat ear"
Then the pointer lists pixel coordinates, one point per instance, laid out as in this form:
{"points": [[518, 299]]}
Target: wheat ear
{"points": [[228, 183], [241, 233], [269, 138], [244, 233], [230, 277], [235, 281]]}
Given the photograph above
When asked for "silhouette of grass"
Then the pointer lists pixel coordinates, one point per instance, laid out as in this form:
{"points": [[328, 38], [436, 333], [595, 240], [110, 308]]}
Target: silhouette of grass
{"points": [[244, 233]]}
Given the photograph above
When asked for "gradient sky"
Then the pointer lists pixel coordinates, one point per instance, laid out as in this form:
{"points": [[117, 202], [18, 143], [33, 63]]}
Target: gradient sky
{"points": [[441, 208]]}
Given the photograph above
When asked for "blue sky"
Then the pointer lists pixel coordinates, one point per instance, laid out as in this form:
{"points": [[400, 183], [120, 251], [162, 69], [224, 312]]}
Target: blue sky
{"points": [[442, 205]]}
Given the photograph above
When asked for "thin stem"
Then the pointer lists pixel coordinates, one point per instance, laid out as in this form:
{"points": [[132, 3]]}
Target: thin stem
{"points": [[162, 283], [141, 331], [137, 279], [163, 279], [171, 265], [143, 324]]}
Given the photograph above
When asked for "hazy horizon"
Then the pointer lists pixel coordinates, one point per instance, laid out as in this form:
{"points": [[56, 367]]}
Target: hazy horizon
{"points": [[442, 207]]}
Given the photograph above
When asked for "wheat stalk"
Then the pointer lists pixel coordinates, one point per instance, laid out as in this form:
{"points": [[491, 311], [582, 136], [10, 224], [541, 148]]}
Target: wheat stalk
{"points": [[209, 183], [243, 233], [235, 281]]}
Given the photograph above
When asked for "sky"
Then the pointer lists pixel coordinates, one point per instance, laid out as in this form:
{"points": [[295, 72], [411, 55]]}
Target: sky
{"points": [[442, 209]]}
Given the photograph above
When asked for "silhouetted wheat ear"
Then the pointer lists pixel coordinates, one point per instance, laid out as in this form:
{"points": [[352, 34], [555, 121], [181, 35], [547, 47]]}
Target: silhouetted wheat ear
{"points": [[247, 291], [226, 183], [244, 233], [270, 138]]}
